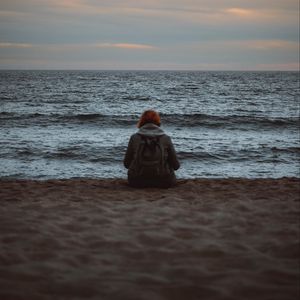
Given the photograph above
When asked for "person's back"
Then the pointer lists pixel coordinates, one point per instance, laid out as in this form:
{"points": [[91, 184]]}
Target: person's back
{"points": [[150, 157]]}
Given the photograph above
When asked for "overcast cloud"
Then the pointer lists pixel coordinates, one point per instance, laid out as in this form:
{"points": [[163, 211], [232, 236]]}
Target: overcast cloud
{"points": [[157, 34]]}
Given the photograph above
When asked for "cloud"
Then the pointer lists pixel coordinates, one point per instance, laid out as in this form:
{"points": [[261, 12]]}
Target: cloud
{"points": [[260, 45], [265, 45], [79, 47], [294, 66], [240, 12], [188, 11], [149, 34], [15, 45], [220, 46], [11, 14], [126, 46]]}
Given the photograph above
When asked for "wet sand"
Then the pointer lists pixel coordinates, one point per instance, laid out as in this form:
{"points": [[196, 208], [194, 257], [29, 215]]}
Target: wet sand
{"points": [[100, 239]]}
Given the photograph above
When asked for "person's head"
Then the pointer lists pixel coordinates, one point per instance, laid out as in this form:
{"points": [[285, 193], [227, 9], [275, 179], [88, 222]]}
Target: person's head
{"points": [[149, 116]]}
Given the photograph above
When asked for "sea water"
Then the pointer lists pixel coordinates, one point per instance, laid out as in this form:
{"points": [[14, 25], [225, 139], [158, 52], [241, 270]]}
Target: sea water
{"points": [[64, 124]]}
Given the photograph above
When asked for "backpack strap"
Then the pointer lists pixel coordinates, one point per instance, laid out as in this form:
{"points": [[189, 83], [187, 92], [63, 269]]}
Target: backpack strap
{"points": [[157, 142], [161, 152]]}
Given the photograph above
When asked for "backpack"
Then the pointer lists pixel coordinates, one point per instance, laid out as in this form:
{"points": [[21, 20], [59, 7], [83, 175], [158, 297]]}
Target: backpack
{"points": [[150, 157]]}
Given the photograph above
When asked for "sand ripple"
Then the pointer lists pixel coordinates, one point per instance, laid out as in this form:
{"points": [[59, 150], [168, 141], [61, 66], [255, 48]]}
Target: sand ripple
{"points": [[100, 239]]}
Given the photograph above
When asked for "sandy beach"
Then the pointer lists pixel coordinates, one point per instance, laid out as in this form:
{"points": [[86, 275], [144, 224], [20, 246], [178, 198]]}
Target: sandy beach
{"points": [[100, 239]]}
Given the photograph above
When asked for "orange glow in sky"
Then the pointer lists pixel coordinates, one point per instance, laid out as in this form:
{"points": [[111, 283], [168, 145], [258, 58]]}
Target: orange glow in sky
{"points": [[122, 34]]}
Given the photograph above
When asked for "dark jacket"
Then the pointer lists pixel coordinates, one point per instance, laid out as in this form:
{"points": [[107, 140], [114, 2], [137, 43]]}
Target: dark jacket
{"points": [[166, 179]]}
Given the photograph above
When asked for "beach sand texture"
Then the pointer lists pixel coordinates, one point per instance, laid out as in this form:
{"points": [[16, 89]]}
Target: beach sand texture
{"points": [[100, 239]]}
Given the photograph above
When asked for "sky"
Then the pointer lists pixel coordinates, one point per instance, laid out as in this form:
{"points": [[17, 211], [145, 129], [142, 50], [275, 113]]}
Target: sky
{"points": [[149, 35]]}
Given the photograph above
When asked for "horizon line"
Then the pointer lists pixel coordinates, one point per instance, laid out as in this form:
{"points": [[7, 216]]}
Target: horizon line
{"points": [[153, 70]]}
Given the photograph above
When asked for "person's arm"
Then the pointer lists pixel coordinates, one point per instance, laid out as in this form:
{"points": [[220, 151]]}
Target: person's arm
{"points": [[172, 157], [129, 154]]}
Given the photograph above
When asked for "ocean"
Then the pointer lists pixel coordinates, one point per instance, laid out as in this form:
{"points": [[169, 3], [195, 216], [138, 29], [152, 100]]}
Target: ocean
{"points": [[65, 124]]}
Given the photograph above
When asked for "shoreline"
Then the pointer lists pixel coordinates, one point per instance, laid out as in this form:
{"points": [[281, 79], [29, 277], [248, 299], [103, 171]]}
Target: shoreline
{"points": [[101, 239], [124, 179], [95, 187], [122, 183]]}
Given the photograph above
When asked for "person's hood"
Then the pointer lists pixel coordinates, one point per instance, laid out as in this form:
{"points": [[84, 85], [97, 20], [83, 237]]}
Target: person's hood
{"points": [[150, 129]]}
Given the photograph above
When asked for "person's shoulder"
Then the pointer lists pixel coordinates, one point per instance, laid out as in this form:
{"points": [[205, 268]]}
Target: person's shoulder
{"points": [[134, 136], [166, 137], [165, 134]]}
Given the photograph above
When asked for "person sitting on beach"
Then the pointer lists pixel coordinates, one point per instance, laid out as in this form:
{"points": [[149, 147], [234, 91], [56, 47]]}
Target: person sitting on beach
{"points": [[150, 157]]}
